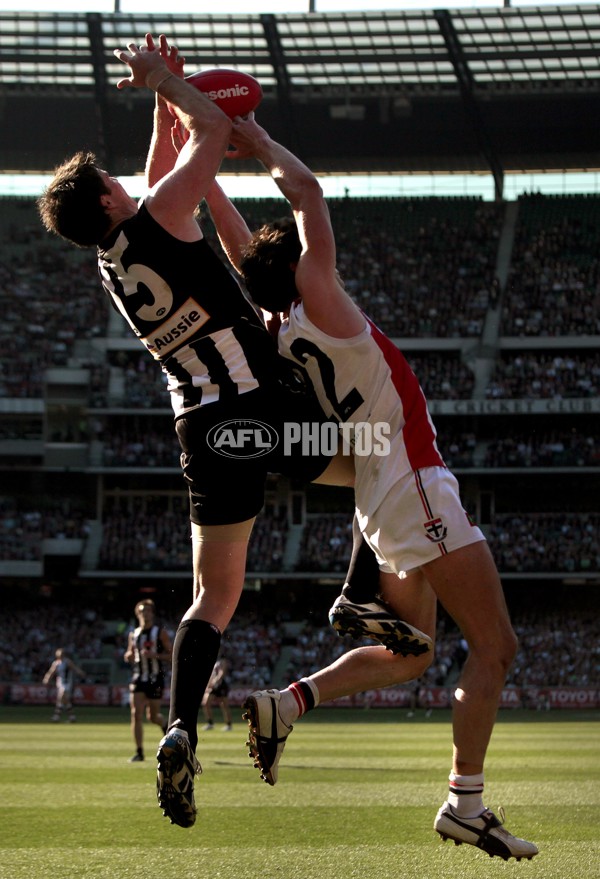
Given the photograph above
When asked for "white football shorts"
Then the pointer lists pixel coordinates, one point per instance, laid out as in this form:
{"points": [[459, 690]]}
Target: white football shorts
{"points": [[420, 519]]}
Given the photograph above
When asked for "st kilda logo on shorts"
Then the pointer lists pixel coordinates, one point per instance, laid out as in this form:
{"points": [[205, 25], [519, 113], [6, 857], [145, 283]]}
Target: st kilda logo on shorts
{"points": [[435, 530], [242, 438]]}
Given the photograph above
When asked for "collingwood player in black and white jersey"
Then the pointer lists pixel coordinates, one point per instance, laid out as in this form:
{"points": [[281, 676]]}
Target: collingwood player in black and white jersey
{"points": [[222, 367], [148, 649]]}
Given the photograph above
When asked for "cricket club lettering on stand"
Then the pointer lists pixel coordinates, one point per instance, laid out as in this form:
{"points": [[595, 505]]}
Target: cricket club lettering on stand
{"points": [[168, 336]]}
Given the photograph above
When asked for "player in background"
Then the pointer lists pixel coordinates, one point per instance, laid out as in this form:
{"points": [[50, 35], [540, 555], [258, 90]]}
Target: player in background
{"points": [[148, 649], [407, 501], [64, 670], [217, 692]]}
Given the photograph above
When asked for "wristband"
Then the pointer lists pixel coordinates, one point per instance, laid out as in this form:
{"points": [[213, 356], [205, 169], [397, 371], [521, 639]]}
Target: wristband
{"points": [[156, 78]]}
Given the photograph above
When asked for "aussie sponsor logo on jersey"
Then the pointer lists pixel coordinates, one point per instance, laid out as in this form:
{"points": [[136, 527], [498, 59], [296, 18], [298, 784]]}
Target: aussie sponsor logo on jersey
{"points": [[242, 438], [171, 334], [435, 530]]}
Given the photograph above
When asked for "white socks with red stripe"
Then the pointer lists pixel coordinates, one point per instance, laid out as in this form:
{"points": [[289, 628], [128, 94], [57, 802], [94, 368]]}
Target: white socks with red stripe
{"points": [[297, 699], [466, 795]]}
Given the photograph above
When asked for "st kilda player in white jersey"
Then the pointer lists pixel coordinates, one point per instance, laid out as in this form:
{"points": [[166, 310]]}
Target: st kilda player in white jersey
{"points": [[407, 502], [65, 673], [382, 411]]}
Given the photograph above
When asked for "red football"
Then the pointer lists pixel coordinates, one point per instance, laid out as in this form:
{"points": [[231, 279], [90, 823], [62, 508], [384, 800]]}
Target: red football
{"points": [[236, 93]]}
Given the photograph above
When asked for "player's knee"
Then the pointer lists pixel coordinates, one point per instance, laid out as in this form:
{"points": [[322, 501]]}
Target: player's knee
{"points": [[424, 661], [408, 668], [496, 653], [510, 646]]}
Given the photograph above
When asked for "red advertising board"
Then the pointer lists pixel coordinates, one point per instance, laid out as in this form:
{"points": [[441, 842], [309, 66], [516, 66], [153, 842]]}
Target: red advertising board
{"points": [[540, 698]]}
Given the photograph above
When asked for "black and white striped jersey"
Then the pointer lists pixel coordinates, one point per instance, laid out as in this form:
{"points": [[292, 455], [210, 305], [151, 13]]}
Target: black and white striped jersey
{"points": [[147, 641], [189, 311]]}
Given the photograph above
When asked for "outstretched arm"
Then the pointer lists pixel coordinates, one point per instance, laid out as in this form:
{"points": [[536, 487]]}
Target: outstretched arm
{"points": [[162, 154], [50, 673], [175, 197], [297, 183], [325, 302], [231, 227]]}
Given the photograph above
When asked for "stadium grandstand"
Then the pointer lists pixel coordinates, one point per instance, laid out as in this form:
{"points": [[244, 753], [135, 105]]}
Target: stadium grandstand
{"points": [[496, 305]]}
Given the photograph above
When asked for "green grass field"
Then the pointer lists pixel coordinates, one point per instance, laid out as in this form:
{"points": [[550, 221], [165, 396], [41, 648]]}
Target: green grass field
{"points": [[356, 797]]}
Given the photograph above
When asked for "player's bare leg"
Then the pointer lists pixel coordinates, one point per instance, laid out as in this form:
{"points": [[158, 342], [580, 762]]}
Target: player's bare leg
{"points": [[271, 713], [468, 586], [219, 571]]}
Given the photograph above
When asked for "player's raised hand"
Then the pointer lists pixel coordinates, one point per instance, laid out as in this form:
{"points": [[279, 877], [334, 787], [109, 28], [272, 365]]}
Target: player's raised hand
{"points": [[246, 136], [172, 58], [141, 60]]}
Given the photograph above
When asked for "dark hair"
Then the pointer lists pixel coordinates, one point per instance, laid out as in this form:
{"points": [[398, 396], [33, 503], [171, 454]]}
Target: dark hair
{"points": [[268, 265], [70, 206]]}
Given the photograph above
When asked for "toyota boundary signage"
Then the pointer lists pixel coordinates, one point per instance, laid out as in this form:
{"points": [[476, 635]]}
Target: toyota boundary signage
{"points": [[538, 698]]}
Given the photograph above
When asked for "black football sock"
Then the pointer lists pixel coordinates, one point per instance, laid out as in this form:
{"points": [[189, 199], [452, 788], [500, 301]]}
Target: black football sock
{"points": [[362, 579], [195, 651]]}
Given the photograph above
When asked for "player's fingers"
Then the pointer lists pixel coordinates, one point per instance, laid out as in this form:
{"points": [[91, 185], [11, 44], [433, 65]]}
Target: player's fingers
{"points": [[121, 55]]}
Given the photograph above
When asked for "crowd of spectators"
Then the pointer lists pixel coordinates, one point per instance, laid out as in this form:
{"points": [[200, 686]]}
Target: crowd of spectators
{"points": [[526, 375], [143, 385], [557, 448], [146, 534], [521, 543], [29, 638], [539, 375], [442, 376], [22, 531], [554, 280], [548, 654], [530, 375], [51, 299], [149, 534], [141, 447], [326, 543], [267, 544], [557, 650], [546, 542], [457, 449], [420, 268], [253, 647]]}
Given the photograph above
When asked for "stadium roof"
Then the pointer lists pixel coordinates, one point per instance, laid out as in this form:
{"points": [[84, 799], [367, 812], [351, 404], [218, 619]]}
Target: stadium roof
{"points": [[442, 90]]}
